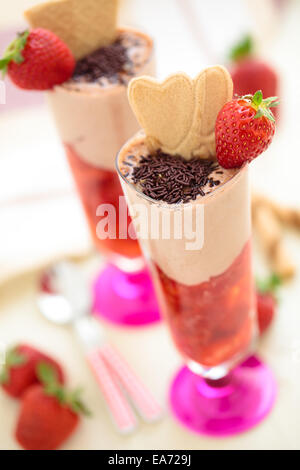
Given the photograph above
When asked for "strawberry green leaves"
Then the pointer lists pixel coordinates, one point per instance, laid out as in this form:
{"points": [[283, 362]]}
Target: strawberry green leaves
{"points": [[14, 52], [77, 404], [257, 98], [262, 106], [271, 102], [243, 49], [48, 377], [270, 284]]}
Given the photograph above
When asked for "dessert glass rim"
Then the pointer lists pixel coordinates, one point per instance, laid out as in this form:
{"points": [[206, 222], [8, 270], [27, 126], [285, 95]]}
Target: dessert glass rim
{"points": [[94, 88], [176, 205]]}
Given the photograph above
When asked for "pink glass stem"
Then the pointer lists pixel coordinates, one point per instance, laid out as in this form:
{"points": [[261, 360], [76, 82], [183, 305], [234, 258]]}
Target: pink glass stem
{"points": [[145, 403], [121, 412]]}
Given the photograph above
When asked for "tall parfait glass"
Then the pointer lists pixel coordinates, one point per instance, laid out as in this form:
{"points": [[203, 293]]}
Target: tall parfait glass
{"points": [[93, 121], [200, 258]]}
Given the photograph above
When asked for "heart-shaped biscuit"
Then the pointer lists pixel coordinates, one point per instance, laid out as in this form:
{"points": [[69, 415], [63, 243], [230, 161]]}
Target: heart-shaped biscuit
{"points": [[162, 107], [179, 114], [84, 25]]}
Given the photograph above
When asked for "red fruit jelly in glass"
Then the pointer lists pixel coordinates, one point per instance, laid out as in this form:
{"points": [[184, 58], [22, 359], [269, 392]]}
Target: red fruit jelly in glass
{"points": [[97, 186], [212, 322]]}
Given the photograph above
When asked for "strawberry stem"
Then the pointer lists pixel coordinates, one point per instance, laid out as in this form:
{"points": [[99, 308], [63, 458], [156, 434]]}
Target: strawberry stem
{"points": [[14, 52], [257, 98], [48, 377], [262, 106]]}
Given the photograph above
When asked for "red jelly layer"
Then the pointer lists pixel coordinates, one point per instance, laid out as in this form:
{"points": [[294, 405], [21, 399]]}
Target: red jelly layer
{"points": [[98, 186], [214, 321]]}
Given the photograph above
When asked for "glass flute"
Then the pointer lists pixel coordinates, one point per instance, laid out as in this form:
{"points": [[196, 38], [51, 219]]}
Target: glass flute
{"points": [[93, 121], [206, 294]]}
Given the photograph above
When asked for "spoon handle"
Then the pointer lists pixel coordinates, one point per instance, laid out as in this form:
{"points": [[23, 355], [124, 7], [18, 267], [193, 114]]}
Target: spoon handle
{"points": [[145, 403], [121, 412]]}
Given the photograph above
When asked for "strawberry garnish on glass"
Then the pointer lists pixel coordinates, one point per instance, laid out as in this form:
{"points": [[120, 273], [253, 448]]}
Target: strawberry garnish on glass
{"points": [[38, 60], [49, 413], [244, 129]]}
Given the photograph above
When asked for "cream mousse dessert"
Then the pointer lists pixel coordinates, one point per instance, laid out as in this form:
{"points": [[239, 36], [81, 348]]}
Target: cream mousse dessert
{"points": [[91, 109], [203, 273], [94, 119], [205, 293]]}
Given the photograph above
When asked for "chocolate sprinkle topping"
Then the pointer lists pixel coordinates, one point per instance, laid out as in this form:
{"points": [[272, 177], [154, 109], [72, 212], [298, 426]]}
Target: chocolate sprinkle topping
{"points": [[173, 179], [107, 62]]}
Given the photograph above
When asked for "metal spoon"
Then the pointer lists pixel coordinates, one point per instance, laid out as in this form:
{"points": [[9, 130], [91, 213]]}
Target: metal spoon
{"points": [[64, 298]]}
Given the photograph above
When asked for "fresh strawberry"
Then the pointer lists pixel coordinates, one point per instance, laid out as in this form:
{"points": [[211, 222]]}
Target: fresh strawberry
{"points": [[20, 369], [38, 60], [249, 73], [266, 305], [244, 129], [266, 302], [49, 413]]}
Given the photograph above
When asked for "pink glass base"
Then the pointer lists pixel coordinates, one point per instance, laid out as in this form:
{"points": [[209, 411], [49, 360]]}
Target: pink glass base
{"points": [[230, 406], [125, 298]]}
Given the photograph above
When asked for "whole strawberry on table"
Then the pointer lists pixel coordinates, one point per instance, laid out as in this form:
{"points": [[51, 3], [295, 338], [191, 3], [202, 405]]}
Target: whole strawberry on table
{"points": [[49, 413], [20, 369], [250, 72]]}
